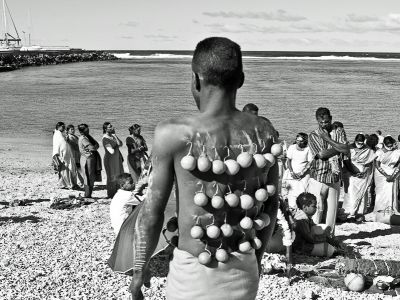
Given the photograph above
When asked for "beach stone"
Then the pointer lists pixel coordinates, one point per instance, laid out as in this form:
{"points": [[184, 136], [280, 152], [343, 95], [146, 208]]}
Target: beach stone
{"points": [[5, 262]]}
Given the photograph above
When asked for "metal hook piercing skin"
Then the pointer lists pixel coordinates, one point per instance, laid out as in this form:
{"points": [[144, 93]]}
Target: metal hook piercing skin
{"points": [[229, 153]]}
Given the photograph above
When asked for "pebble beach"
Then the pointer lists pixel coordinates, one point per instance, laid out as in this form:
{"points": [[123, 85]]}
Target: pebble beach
{"points": [[47, 253]]}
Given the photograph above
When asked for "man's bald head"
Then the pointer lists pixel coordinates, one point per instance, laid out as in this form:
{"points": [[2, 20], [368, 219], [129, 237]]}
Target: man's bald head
{"points": [[218, 61], [251, 108]]}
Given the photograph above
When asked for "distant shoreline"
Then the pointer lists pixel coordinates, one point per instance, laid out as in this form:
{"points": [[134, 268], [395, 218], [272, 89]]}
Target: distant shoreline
{"points": [[266, 54], [13, 60]]}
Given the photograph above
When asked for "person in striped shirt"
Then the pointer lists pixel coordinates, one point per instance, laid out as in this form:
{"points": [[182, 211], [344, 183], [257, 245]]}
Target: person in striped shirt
{"points": [[326, 144]]}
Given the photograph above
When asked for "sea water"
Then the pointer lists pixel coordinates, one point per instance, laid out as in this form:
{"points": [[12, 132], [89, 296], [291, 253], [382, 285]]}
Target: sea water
{"points": [[140, 88]]}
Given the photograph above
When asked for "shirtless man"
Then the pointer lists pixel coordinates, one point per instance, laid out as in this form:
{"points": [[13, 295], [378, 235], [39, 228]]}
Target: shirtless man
{"points": [[219, 131]]}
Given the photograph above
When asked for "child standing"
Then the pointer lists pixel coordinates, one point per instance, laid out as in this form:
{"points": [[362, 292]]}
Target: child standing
{"points": [[123, 201], [310, 238]]}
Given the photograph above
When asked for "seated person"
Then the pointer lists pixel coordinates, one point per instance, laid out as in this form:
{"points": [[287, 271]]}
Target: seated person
{"points": [[310, 238], [123, 201]]}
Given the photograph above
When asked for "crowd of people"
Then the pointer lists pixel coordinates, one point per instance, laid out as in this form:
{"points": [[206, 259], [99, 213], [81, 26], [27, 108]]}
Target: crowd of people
{"points": [[230, 180], [17, 61], [78, 163]]}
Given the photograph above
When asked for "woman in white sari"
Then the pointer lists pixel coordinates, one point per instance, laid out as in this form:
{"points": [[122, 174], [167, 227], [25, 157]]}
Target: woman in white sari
{"points": [[62, 154], [361, 172], [296, 176], [386, 177]]}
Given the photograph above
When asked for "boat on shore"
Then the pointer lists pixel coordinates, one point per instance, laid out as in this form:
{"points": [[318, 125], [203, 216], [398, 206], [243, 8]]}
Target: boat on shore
{"points": [[9, 42], [8, 68]]}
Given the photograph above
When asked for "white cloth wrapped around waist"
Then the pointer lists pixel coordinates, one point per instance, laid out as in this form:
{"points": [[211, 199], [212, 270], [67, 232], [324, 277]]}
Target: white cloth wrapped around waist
{"points": [[237, 279]]}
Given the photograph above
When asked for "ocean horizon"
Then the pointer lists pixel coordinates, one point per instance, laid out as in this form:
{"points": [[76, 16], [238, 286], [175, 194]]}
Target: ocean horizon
{"points": [[312, 55]]}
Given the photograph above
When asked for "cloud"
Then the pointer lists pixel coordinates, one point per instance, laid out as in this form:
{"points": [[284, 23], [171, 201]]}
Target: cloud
{"points": [[245, 28], [349, 24], [161, 37], [129, 24], [279, 15], [352, 24], [361, 19], [299, 41]]}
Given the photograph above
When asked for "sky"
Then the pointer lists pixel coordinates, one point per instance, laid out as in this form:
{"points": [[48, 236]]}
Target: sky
{"points": [[257, 25]]}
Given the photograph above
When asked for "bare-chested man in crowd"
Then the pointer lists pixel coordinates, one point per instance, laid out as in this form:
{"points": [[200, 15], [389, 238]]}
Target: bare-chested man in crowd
{"points": [[225, 187]]}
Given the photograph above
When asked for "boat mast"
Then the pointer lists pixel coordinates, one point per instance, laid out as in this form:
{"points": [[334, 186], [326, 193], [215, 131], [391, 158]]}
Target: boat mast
{"points": [[5, 22]]}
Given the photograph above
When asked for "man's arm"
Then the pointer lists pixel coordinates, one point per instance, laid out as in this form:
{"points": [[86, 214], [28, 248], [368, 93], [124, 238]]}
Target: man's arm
{"points": [[151, 216], [341, 147]]}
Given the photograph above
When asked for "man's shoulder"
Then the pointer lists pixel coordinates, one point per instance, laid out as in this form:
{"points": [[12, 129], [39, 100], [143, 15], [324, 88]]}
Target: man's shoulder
{"points": [[175, 126], [314, 133], [266, 124], [170, 134], [314, 136]]}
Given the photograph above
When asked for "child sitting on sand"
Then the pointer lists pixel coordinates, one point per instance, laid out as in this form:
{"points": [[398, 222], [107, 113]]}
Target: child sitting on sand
{"points": [[310, 238], [123, 201]]}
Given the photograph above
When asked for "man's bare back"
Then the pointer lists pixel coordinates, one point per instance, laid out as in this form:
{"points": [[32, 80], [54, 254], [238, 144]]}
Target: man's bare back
{"points": [[210, 136], [223, 210]]}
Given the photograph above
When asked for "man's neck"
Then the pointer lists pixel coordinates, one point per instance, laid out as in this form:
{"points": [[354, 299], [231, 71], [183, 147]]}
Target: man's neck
{"points": [[217, 101]]}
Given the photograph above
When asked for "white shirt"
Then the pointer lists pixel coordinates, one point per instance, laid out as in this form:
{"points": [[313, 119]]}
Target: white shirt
{"points": [[121, 207], [299, 158]]}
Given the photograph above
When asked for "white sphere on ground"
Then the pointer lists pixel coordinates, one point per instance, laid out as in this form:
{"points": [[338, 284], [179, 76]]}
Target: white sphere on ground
{"points": [[276, 149], [355, 282], [232, 167], [213, 231], [261, 195], [204, 258], [218, 167], [226, 230], [217, 202], [221, 255], [246, 201], [196, 232], [260, 160], [203, 164], [232, 199], [244, 159], [188, 162], [246, 223], [270, 158], [267, 267], [200, 199], [244, 246], [271, 189]]}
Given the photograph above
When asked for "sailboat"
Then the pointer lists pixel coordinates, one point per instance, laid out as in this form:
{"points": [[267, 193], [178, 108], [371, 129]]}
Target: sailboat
{"points": [[9, 42]]}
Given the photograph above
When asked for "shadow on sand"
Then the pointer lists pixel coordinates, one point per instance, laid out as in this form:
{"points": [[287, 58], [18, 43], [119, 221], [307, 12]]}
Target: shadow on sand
{"points": [[368, 234], [99, 187], [31, 219]]}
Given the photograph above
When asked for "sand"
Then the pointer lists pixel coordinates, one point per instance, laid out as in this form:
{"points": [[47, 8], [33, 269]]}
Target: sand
{"points": [[62, 254]]}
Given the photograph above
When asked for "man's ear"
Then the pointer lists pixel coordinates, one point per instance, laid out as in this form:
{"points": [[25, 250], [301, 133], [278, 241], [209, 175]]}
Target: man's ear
{"points": [[240, 81], [196, 81]]}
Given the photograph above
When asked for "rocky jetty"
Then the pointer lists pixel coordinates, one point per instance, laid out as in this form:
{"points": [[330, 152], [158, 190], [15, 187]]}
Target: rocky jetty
{"points": [[10, 62]]}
